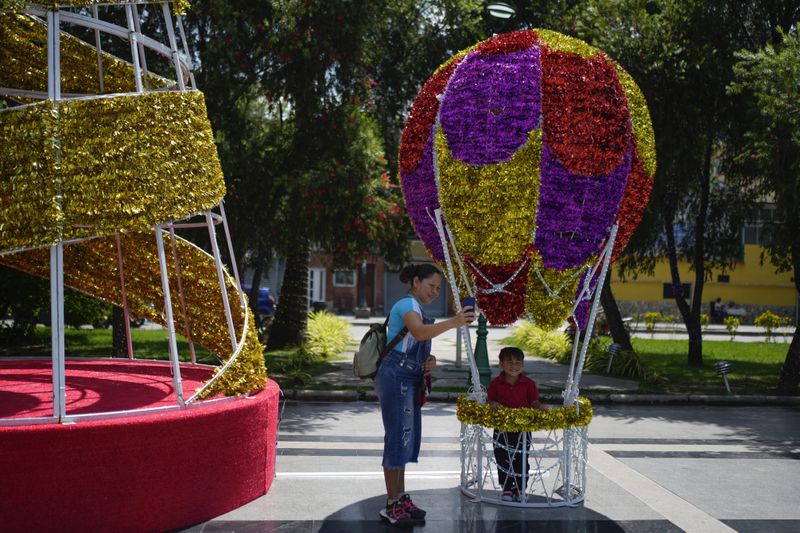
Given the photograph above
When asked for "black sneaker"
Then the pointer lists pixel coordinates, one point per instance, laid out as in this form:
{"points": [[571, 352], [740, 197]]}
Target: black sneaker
{"points": [[396, 515], [413, 511]]}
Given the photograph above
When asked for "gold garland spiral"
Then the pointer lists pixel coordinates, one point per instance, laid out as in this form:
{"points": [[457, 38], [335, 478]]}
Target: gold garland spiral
{"points": [[522, 419]]}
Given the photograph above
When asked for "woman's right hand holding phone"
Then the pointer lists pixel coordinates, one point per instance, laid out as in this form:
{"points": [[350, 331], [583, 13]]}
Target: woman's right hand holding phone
{"points": [[467, 313]]}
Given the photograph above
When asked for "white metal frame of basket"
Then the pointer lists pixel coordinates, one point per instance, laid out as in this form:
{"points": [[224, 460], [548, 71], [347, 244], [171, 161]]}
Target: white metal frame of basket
{"points": [[183, 65], [557, 475]]}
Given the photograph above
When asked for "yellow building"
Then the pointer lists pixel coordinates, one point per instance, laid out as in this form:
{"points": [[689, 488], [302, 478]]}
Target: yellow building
{"points": [[751, 286]]}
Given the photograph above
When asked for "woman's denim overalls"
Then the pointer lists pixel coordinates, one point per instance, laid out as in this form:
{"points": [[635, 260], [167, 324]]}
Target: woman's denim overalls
{"points": [[396, 384]]}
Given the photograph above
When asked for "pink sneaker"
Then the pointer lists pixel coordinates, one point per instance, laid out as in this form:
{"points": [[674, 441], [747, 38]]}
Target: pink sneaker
{"points": [[415, 512], [396, 515]]}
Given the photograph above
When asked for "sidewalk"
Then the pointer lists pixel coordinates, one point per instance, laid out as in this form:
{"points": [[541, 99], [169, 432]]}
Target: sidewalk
{"points": [[453, 371]]}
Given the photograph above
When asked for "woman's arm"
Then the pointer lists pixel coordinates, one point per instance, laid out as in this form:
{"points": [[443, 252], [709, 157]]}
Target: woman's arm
{"points": [[423, 332]]}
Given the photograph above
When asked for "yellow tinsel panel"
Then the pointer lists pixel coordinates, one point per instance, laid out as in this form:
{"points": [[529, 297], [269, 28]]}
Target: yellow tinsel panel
{"points": [[125, 163], [491, 208], [549, 311], [91, 266], [180, 6], [565, 43], [524, 419], [29, 210], [23, 58], [133, 161], [640, 117]]}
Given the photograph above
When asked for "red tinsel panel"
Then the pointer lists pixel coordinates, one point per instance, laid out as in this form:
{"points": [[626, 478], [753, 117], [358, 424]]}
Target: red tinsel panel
{"points": [[509, 42], [631, 208], [419, 125], [585, 111], [501, 308]]}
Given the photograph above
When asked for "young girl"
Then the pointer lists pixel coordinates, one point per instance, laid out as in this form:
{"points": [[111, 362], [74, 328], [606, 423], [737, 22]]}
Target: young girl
{"points": [[398, 381]]}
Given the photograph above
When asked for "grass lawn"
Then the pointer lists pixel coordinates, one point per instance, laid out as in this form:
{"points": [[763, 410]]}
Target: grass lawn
{"points": [[147, 344], [755, 366]]}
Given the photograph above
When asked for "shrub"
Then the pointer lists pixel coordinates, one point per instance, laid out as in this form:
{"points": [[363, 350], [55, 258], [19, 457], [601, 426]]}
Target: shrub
{"points": [[626, 364], [650, 320], [704, 320], [536, 341], [769, 321], [732, 324], [326, 334]]}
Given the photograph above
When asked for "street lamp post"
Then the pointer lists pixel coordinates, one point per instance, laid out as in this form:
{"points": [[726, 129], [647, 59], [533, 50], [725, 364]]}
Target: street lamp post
{"points": [[500, 10], [499, 14]]}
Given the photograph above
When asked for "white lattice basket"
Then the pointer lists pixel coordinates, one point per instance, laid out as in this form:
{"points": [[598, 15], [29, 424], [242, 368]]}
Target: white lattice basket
{"points": [[556, 476]]}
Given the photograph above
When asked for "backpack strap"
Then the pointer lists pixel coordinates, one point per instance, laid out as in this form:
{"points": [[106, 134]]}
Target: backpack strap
{"points": [[397, 338]]}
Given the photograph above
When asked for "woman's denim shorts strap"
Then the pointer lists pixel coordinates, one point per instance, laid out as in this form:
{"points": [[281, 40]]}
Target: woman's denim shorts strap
{"points": [[406, 361]]}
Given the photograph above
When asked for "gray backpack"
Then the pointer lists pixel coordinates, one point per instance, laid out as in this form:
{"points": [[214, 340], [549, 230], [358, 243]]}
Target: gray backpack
{"points": [[373, 349]]}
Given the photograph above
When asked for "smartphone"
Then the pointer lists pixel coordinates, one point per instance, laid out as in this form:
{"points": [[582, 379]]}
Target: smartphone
{"points": [[469, 301]]}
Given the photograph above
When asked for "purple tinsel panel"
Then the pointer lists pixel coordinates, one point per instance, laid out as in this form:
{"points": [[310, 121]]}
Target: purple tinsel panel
{"points": [[491, 105], [581, 314], [575, 211], [422, 199]]}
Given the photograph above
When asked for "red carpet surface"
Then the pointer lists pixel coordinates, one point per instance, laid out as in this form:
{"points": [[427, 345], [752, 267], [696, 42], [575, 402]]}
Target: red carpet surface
{"points": [[151, 472], [93, 385]]}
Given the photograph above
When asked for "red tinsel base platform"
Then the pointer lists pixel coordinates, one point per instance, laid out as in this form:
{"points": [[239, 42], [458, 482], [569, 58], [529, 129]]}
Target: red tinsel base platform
{"points": [[149, 472]]}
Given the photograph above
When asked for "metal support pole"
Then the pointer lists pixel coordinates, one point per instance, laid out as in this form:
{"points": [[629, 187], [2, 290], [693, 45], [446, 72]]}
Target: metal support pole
{"points": [[177, 262], [56, 251], [57, 329], [458, 350], [99, 47], [173, 45], [221, 277], [142, 57], [127, 317], [230, 251], [134, 39], [186, 51], [573, 393], [478, 392], [173, 345]]}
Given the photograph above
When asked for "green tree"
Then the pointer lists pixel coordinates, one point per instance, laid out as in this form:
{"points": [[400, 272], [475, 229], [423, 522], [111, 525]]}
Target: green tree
{"points": [[405, 44], [287, 93], [22, 299], [681, 53], [768, 157]]}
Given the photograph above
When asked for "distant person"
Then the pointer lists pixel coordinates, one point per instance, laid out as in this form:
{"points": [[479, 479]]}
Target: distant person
{"points": [[717, 311], [399, 383], [512, 389]]}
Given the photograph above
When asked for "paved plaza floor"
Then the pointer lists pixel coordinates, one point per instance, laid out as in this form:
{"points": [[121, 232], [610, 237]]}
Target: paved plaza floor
{"points": [[651, 468], [673, 466]]}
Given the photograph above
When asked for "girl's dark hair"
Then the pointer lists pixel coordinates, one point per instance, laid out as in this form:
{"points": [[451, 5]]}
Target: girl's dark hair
{"points": [[511, 352], [421, 271]]}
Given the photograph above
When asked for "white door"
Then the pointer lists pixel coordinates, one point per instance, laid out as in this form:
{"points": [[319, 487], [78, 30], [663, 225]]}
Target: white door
{"points": [[316, 285]]}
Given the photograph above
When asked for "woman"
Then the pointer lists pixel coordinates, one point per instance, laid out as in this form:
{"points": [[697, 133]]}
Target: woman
{"points": [[398, 384]]}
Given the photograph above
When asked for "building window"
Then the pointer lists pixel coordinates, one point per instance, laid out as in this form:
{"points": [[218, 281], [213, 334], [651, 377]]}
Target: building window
{"points": [[344, 278], [723, 278], [669, 293]]}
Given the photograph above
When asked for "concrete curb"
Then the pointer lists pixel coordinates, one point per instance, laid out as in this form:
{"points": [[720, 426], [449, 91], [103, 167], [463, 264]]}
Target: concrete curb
{"points": [[598, 399]]}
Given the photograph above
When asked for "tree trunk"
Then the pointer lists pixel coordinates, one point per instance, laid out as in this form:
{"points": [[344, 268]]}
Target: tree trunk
{"points": [[255, 284], [789, 380], [695, 358], [616, 326], [289, 325], [119, 340]]}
